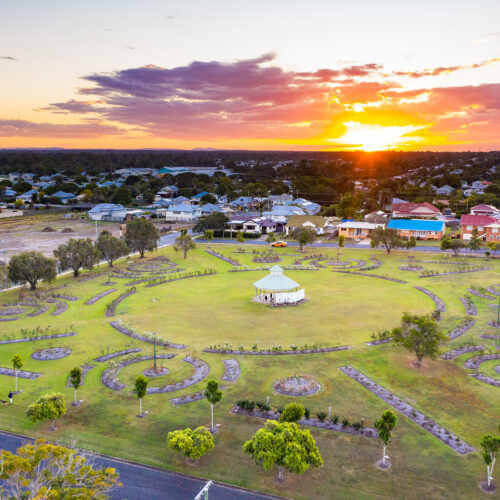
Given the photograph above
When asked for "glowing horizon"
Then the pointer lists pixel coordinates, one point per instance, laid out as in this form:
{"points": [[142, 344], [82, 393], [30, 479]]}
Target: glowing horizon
{"points": [[77, 80]]}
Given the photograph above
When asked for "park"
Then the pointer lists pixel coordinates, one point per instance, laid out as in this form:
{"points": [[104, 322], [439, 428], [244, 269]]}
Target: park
{"points": [[179, 321]]}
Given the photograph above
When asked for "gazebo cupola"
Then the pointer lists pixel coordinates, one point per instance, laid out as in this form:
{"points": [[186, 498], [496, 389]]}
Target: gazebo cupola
{"points": [[277, 289]]}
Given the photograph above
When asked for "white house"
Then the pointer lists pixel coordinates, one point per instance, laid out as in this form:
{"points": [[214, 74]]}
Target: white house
{"points": [[182, 213], [103, 211]]}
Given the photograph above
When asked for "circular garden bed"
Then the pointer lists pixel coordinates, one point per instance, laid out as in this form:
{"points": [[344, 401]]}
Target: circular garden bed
{"points": [[151, 372], [52, 353], [298, 385], [413, 267]]}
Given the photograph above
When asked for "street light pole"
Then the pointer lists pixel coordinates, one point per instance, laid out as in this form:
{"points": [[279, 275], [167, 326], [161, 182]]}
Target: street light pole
{"points": [[498, 311], [154, 351]]}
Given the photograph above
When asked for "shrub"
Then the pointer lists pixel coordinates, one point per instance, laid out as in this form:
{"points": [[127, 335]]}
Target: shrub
{"points": [[345, 422], [263, 406], [307, 412], [335, 419], [293, 412], [321, 416], [357, 426]]}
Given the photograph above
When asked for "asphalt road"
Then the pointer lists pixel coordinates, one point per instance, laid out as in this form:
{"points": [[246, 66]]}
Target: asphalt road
{"points": [[143, 482]]}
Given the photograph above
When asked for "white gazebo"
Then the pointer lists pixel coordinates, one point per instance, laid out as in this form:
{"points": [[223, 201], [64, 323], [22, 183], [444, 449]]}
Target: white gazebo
{"points": [[276, 289]]}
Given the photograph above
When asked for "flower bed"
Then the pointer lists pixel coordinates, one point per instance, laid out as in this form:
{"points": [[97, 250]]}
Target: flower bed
{"points": [[493, 290], [267, 259], [454, 353], [232, 370], [189, 398], [298, 385], [229, 260], [370, 275], [20, 373], [60, 308], [379, 341], [38, 337], [310, 422], [12, 311], [111, 307], [85, 369], [99, 296], [201, 370], [410, 267], [198, 274], [111, 355], [475, 362], [440, 306], [152, 373], [51, 353], [406, 409], [477, 293], [117, 325], [71, 298], [470, 307], [431, 274], [278, 353], [463, 327]]}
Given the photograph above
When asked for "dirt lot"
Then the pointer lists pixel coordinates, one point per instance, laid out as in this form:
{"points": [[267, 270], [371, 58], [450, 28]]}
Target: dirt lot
{"points": [[22, 234]]}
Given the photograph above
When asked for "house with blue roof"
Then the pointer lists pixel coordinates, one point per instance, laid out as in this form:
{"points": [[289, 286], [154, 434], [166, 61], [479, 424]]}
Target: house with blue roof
{"points": [[28, 196], [182, 213], [210, 208], [421, 229], [63, 196], [108, 211], [9, 193]]}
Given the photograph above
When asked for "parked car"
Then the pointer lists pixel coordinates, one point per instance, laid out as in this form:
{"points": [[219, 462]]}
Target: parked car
{"points": [[279, 244]]}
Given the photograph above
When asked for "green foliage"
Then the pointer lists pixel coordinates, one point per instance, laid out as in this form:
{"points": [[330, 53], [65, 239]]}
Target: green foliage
{"points": [[284, 444], [420, 335], [208, 198], [341, 241], [385, 425], [141, 386], [321, 416], [76, 254], [475, 241], [493, 246], [293, 412], [47, 407], [212, 392], [111, 248], [184, 243], [49, 471], [215, 221], [490, 445], [122, 195], [387, 238], [31, 267], [17, 362], [209, 234], [141, 236], [304, 236], [75, 377], [192, 444], [239, 237]]}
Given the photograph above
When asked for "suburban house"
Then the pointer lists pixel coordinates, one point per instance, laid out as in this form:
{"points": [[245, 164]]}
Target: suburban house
{"points": [[488, 210], [309, 207], [166, 192], [445, 190], [322, 225], [424, 210], [283, 213], [493, 232], [107, 211], [357, 230], [63, 196], [470, 222], [378, 217], [182, 213], [280, 199], [209, 208], [420, 229], [181, 199], [28, 196], [252, 223]]}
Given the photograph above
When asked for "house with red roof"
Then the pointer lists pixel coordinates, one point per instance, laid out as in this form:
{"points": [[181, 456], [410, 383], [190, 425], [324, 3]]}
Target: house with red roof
{"points": [[488, 210], [411, 210], [470, 222]]}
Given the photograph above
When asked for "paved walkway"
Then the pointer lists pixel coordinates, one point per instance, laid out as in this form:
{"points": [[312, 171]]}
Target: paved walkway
{"points": [[141, 481]]}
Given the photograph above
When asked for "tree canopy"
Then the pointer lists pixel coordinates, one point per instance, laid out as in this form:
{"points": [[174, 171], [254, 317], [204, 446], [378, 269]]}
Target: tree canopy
{"points": [[293, 412], [141, 236], [216, 221], [43, 470], [420, 335], [111, 248], [47, 407], [304, 236], [184, 243], [191, 443], [77, 254], [31, 267], [387, 238], [286, 445]]}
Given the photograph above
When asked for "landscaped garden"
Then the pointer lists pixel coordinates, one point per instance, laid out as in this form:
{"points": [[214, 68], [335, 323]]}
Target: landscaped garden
{"points": [[332, 353]]}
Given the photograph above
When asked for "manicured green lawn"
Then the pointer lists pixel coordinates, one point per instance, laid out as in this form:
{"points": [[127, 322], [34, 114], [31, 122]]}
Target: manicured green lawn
{"points": [[342, 310]]}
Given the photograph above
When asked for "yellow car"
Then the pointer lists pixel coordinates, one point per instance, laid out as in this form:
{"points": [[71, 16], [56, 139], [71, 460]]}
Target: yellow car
{"points": [[279, 244]]}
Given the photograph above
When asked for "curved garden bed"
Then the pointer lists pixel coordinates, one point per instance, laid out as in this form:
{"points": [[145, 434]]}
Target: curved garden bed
{"points": [[20, 373], [469, 306], [111, 307], [453, 353], [39, 337], [143, 338], [60, 308], [440, 305], [51, 353], [298, 385], [463, 327], [201, 370], [99, 296], [111, 355], [477, 293], [85, 369], [278, 353], [370, 275], [232, 370]]}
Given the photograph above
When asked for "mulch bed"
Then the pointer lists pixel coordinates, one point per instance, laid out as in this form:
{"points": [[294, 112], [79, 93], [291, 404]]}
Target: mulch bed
{"points": [[201, 371], [299, 385], [379, 341], [130, 333], [370, 275], [51, 353], [99, 296], [111, 355], [232, 370], [279, 353], [60, 308], [406, 409], [85, 370], [181, 278], [20, 373], [470, 307], [440, 306], [480, 294], [463, 327], [44, 337], [454, 353], [111, 309], [151, 373]]}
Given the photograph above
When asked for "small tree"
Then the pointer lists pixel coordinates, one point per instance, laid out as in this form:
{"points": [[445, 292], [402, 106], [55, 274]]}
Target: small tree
{"points": [[193, 444], [239, 237], [304, 236], [388, 238], [44, 470], [411, 244], [111, 248], [75, 379], [31, 267], [490, 445], [475, 241], [47, 407], [77, 254], [456, 246], [184, 243], [293, 412], [213, 395], [141, 389], [385, 425], [17, 364], [141, 235], [493, 247], [286, 445], [209, 235], [270, 237], [341, 243], [420, 335], [373, 245]]}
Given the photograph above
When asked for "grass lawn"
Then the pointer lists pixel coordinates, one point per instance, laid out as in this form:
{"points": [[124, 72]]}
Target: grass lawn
{"points": [[343, 309]]}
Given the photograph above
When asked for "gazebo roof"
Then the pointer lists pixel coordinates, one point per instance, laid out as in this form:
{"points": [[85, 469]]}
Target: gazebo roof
{"points": [[276, 282]]}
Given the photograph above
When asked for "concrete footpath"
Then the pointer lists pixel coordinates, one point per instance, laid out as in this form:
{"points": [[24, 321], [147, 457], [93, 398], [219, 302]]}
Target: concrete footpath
{"points": [[142, 481]]}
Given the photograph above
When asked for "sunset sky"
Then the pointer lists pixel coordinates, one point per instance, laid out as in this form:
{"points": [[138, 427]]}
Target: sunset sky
{"points": [[311, 75]]}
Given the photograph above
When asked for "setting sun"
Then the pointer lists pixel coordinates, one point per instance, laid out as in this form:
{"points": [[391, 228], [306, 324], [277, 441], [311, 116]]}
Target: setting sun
{"points": [[376, 137]]}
